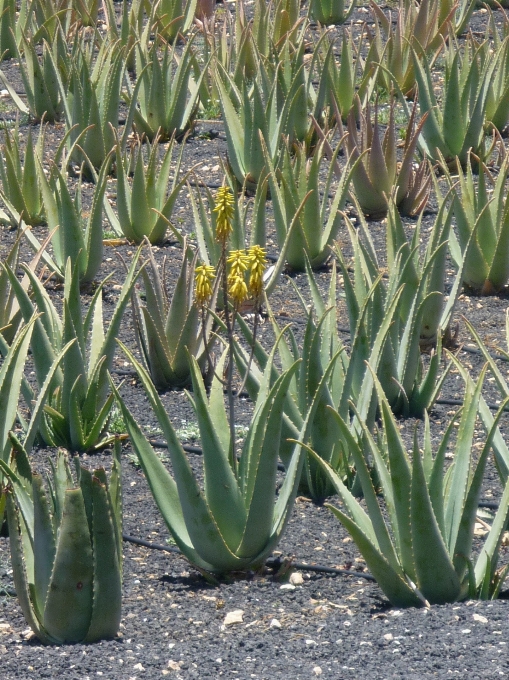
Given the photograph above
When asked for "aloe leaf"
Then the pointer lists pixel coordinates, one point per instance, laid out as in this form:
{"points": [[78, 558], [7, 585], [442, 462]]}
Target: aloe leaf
{"points": [[162, 486], [107, 585], [399, 593], [260, 477], [68, 605], [436, 576], [44, 544], [463, 546], [11, 374], [21, 581], [462, 461], [222, 493], [236, 132]]}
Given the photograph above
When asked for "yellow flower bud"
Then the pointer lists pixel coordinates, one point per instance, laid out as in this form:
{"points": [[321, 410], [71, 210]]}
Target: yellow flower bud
{"points": [[237, 289], [204, 275], [258, 262], [239, 262], [224, 209]]}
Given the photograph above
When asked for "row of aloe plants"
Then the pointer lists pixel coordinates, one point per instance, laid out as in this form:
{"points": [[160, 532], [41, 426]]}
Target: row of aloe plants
{"points": [[323, 395]]}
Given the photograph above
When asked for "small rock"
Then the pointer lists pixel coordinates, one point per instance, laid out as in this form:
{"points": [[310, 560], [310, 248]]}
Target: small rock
{"points": [[310, 642], [317, 670], [236, 616], [138, 667], [478, 617], [287, 586], [296, 579], [274, 624], [466, 631], [388, 637]]}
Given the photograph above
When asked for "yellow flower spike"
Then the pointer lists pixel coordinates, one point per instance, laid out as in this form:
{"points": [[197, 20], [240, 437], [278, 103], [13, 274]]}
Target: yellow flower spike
{"points": [[258, 262], [237, 289], [204, 275], [239, 262], [224, 209]]}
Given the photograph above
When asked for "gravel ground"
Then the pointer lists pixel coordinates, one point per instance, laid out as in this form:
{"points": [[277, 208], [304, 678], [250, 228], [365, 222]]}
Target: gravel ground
{"points": [[300, 624]]}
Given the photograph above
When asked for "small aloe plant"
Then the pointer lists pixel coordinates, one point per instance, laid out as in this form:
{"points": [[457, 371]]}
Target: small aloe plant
{"points": [[72, 235], [416, 23], [457, 125], [66, 549], [322, 354], [165, 100], [20, 190], [145, 208], [131, 27], [91, 107], [254, 116], [41, 83], [351, 78], [481, 241], [421, 552], [296, 196], [379, 174], [171, 331], [77, 410], [174, 17], [329, 12], [413, 299]]}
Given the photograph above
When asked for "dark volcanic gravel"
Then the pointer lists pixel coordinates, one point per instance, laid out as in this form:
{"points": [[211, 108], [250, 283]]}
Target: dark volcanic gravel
{"points": [[304, 625]]}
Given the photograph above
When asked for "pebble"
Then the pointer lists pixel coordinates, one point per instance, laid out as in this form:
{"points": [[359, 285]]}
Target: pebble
{"points": [[236, 616], [274, 624]]}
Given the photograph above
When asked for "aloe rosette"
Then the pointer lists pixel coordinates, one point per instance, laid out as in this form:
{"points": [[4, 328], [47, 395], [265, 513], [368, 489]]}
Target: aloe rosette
{"points": [[77, 411], [234, 521], [329, 12], [170, 330], [420, 552], [480, 244], [66, 550]]}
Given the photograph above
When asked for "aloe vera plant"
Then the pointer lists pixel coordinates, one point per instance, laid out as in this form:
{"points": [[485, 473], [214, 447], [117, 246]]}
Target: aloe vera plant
{"points": [[253, 116], [77, 410], [174, 17], [421, 24], [40, 80], [329, 12], [295, 192], [66, 550], [379, 174], [497, 107], [480, 244], [131, 27], [165, 100], [232, 523], [456, 125], [20, 190], [145, 208], [421, 552], [91, 105], [72, 236], [413, 299], [322, 354], [171, 330], [351, 77]]}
